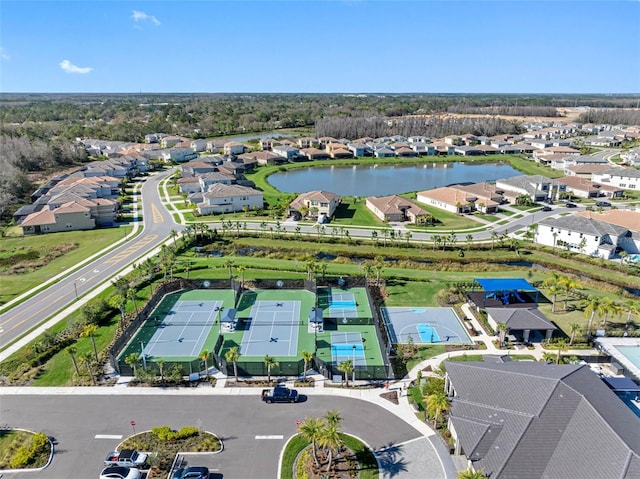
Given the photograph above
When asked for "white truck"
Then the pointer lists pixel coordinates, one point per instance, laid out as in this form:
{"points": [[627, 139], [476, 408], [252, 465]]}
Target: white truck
{"points": [[126, 457]]}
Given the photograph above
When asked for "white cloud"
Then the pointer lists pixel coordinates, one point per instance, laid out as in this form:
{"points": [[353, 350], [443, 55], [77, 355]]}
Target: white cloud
{"points": [[69, 67], [139, 16], [4, 55]]}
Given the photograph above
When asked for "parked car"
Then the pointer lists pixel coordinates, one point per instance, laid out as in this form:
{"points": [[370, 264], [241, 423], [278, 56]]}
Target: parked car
{"points": [[603, 203], [126, 458], [571, 205], [120, 472], [279, 394], [546, 208], [193, 472]]}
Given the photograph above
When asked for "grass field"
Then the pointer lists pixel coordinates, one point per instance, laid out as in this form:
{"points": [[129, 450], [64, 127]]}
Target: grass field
{"points": [[86, 244]]}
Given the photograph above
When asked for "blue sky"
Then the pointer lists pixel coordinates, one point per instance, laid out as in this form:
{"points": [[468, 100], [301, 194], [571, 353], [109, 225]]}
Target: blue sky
{"points": [[320, 46]]}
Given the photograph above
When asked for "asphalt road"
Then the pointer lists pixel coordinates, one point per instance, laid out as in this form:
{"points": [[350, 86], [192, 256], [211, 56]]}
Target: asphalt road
{"points": [[157, 224], [75, 420]]}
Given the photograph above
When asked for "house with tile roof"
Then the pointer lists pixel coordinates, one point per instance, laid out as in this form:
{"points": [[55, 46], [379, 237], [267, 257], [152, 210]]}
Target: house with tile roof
{"points": [[581, 187], [234, 148], [448, 199], [70, 216], [396, 208], [317, 203], [221, 198], [532, 420], [312, 153], [586, 236]]}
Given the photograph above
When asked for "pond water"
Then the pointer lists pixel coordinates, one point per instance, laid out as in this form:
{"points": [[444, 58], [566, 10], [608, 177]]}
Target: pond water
{"points": [[374, 180]]}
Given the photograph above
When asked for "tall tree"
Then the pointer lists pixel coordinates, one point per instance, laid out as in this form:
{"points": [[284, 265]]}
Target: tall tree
{"points": [[86, 358], [311, 430], [232, 356], [347, 368], [89, 332], [307, 357], [270, 362], [573, 330], [72, 353], [204, 356], [436, 404]]}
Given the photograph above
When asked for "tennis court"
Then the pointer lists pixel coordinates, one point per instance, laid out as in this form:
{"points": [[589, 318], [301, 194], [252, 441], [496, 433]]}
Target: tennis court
{"points": [[425, 325], [184, 329], [272, 329], [347, 347], [345, 304]]}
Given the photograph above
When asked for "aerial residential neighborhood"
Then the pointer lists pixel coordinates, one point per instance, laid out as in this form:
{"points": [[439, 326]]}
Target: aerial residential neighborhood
{"points": [[320, 240]]}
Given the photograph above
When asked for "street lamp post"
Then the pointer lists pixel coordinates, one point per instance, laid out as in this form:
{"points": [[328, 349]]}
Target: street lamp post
{"points": [[144, 358], [354, 364]]}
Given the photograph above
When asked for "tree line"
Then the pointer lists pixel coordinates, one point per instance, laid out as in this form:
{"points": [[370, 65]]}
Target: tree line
{"points": [[611, 116], [430, 126]]}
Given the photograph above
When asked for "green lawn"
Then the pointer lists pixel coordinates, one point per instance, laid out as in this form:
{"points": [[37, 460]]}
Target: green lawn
{"points": [[353, 211], [87, 243]]}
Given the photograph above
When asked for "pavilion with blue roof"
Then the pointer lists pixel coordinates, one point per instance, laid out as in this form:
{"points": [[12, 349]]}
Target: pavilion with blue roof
{"points": [[511, 292]]}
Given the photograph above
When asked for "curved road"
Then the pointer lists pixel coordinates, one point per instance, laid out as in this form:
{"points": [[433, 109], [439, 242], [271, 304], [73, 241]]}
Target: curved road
{"points": [[22, 318], [87, 427]]}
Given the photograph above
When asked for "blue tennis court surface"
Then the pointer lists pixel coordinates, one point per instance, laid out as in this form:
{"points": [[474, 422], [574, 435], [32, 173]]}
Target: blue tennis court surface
{"points": [[183, 330], [425, 325], [348, 347], [273, 329], [427, 333]]}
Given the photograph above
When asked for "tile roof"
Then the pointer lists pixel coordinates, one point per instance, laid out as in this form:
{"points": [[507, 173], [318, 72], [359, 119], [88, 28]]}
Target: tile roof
{"points": [[624, 218], [220, 190]]}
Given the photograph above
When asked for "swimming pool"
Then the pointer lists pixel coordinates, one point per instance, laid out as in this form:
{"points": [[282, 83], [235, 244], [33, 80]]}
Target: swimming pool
{"points": [[632, 353]]}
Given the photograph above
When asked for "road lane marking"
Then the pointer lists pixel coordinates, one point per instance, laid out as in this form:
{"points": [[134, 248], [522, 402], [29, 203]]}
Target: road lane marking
{"points": [[157, 214], [108, 436], [270, 437]]}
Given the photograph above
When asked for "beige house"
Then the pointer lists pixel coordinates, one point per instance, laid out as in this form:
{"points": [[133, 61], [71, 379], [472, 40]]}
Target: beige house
{"points": [[396, 208], [317, 203], [68, 217], [451, 199]]}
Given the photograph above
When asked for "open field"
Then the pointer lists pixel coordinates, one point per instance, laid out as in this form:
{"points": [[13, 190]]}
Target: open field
{"points": [[80, 245]]}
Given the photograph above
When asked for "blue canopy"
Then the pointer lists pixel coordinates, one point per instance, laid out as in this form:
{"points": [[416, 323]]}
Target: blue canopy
{"points": [[621, 384], [505, 284], [228, 316]]}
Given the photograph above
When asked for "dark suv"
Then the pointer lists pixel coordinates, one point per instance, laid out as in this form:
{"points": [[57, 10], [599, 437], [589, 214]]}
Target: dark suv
{"points": [[194, 472], [571, 205]]}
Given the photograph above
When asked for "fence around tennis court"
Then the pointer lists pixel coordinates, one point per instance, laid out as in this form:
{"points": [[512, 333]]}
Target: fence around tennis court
{"points": [[159, 293]]}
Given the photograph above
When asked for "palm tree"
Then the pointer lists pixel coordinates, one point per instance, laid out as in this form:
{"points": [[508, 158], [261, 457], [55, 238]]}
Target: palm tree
{"points": [[131, 294], [632, 307], [568, 284], [502, 330], [471, 474], [307, 357], [270, 363], [89, 331], [554, 290], [119, 301], [436, 241], [437, 403], [86, 359], [173, 234], [593, 307], [452, 239], [331, 441], [562, 346], [368, 269], [229, 264], [374, 237], [469, 239], [347, 368], [408, 236], [232, 356], [204, 356], [333, 417], [241, 269], [132, 361], [573, 329], [494, 237], [311, 430], [72, 353]]}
